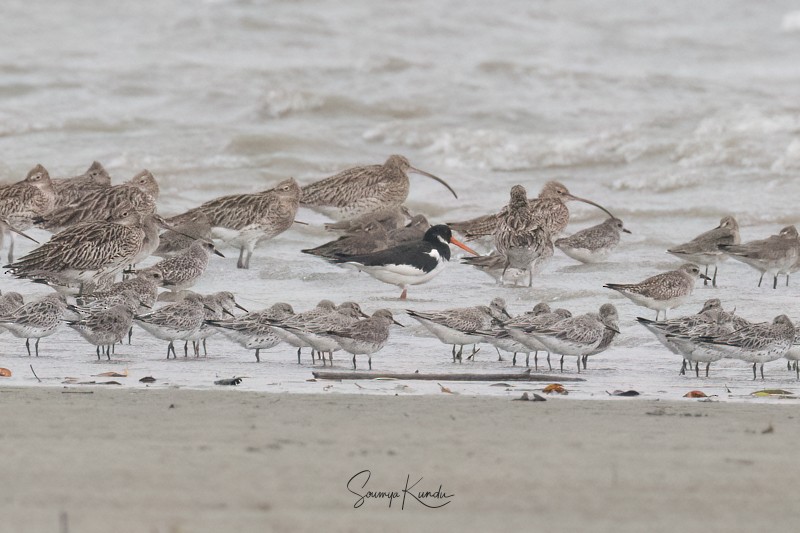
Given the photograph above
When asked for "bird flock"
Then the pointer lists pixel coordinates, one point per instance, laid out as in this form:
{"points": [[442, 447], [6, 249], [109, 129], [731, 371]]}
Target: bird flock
{"points": [[101, 233]]}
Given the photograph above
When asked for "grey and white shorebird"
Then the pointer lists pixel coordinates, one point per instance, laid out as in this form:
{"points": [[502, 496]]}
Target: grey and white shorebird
{"points": [[365, 337], [174, 322], [705, 248], [245, 220], [285, 327], [217, 306], [550, 207], [461, 326], [412, 263], [755, 343], [662, 291], [524, 327], [521, 237], [494, 264], [361, 190], [582, 335], [594, 244], [35, 320], [499, 337], [140, 193], [75, 189], [710, 320], [89, 253], [314, 331], [253, 330], [182, 271], [23, 202], [774, 255], [793, 355], [105, 322], [413, 231]]}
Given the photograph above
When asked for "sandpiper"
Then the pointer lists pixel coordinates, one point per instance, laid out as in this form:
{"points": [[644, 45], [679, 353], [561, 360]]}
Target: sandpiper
{"points": [[10, 302], [520, 237], [390, 218], [72, 190], [173, 322], [372, 238], [413, 231], [361, 190], [139, 193], [410, 263], [245, 220], [314, 330], [494, 265], [177, 240], [460, 326], [253, 330], [86, 253], [23, 202], [181, 272], [581, 335], [103, 324], [367, 336], [217, 306], [285, 327], [523, 328], [705, 248], [793, 355], [550, 208], [35, 320], [662, 291], [756, 343], [595, 244], [774, 255]]}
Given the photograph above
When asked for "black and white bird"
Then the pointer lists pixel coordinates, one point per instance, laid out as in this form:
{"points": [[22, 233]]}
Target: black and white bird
{"points": [[410, 263]]}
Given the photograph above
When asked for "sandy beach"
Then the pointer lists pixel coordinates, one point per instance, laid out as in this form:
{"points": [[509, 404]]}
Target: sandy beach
{"points": [[93, 459]]}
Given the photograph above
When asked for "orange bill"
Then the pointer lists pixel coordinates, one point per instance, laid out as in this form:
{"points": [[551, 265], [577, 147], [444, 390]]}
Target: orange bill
{"points": [[463, 246]]}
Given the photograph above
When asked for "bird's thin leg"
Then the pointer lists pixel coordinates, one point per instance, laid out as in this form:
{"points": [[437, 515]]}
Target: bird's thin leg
{"points": [[754, 371], [240, 263], [514, 360], [186, 349], [762, 371], [28, 346], [37, 346], [775, 282], [499, 357], [10, 247], [258, 357], [579, 364], [354, 361], [130, 334], [760, 279], [298, 356], [536, 360], [585, 359], [788, 365], [548, 362], [205, 349], [708, 365], [369, 360], [705, 280], [97, 351], [454, 353], [696, 369], [460, 352], [108, 355], [562, 363], [714, 281], [683, 368], [404, 294]]}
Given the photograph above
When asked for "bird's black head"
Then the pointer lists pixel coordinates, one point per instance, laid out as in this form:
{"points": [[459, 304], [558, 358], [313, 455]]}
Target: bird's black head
{"points": [[441, 237]]}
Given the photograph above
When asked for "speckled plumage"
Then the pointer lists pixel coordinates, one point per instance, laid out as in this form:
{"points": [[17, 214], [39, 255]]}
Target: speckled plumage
{"points": [[106, 325], [217, 306], [314, 331], [35, 320], [140, 193], [23, 202], [254, 330], [365, 337], [182, 271], [361, 190], [10, 302], [705, 248], [144, 285], [244, 220], [285, 327], [662, 291], [390, 218], [86, 252], [173, 242], [774, 255], [71, 190], [176, 321], [593, 244], [371, 238]]}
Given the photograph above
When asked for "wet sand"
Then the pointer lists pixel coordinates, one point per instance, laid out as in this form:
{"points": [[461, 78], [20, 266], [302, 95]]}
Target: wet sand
{"points": [[227, 460]]}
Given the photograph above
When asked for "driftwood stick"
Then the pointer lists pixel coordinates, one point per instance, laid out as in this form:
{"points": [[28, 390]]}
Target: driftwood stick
{"points": [[517, 376], [34, 374]]}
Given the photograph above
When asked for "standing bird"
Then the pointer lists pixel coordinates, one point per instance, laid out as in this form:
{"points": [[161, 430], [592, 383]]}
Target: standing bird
{"points": [[523, 329], [582, 335], [173, 322], [89, 253], [756, 343], [367, 336], [314, 330], [9, 302], [550, 208], [35, 320], [774, 255], [390, 218], [371, 238], [105, 323], [285, 327], [182, 271], [253, 330], [595, 244], [410, 263], [361, 190], [462, 326], [245, 220], [494, 265], [705, 248], [793, 355], [72, 190], [521, 237], [23, 202], [175, 241], [217, 305], [139, 193], [662, 291]]}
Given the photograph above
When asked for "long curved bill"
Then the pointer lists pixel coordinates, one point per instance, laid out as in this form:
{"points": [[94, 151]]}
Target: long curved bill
{"points": [[584, 200], [9, 227], [440, 180], [463, 246]]}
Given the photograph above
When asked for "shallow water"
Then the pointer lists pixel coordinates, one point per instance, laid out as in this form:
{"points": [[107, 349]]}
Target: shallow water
{"points": [[671, 115]]}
